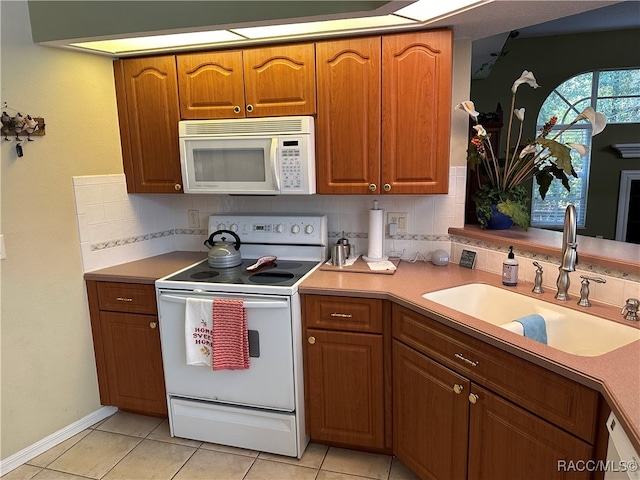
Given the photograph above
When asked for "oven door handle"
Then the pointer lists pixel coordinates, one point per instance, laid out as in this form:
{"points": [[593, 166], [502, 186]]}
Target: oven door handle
{"points": [[247, 304]]}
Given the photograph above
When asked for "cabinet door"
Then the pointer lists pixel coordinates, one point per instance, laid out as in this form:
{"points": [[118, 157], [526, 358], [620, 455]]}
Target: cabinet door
{"points": [[211, 85], [147, 96], [348, 126], [416, 112], [430, 415], [280, 80], [133, 362], [508, 442], [344, 388]]}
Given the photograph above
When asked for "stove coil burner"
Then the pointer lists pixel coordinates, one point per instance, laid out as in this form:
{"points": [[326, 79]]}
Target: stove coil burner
{"points": [[203, 275], [270, 278]]}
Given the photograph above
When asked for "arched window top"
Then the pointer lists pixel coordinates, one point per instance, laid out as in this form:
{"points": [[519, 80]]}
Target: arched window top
{"points": [[616, 93]]}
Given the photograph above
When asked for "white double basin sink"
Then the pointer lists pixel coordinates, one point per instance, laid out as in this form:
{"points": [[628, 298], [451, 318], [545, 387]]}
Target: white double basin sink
{"points": [[568, 330]]}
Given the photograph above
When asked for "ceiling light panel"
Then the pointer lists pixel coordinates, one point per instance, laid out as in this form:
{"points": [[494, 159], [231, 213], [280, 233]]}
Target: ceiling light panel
{"points": [[424, 10], [318, 28], [159, 42]]}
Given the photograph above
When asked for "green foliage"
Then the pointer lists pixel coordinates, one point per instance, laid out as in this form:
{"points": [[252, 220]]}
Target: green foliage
{"points": [[514, 203]]}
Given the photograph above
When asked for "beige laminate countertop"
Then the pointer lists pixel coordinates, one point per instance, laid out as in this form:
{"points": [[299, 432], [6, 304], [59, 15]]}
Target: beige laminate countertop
{"points": [[615, 374], [147, 270]]}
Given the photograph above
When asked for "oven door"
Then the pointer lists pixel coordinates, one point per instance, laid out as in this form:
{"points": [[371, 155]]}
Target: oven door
{"points": [[246, 165], [267, 383]]}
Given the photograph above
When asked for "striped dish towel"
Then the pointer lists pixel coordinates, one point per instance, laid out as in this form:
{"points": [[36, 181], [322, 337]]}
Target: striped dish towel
{"points": [[230, 341]]}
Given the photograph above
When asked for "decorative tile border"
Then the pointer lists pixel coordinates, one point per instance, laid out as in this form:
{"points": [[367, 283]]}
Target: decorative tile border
{"points": [[593, 268], [404, 236], [143, 238]]}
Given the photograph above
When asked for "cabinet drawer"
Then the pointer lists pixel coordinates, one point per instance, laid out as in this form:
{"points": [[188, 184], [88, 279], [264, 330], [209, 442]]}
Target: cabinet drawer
{"points": [[343, 313], [561, 401], [127, 297]]}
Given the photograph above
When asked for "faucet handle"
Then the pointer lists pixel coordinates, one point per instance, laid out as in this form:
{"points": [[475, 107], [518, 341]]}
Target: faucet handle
{"points": [[584, 289], [630, 309], [537, 285]]}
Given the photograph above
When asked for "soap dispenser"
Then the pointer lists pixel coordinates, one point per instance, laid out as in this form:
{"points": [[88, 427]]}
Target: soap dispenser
{"points": [[510, 270]]}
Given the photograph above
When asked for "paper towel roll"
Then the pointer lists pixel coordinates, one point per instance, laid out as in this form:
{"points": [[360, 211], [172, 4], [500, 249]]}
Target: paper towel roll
{"points": [[376, 236]]}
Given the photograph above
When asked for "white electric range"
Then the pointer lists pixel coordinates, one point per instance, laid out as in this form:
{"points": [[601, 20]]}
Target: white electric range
{"points": [[262, 407]]}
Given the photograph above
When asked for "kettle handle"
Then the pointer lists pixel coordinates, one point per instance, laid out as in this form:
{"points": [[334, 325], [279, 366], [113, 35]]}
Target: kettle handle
{"points": [[209, 241]]}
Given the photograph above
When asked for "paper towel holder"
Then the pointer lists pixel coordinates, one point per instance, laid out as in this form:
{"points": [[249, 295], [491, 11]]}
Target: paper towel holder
{"points": [[379, 224]]}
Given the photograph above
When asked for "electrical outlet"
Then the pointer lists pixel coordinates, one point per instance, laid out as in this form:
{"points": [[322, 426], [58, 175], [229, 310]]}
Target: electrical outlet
{"points": [[400, 220], [194, 219]]}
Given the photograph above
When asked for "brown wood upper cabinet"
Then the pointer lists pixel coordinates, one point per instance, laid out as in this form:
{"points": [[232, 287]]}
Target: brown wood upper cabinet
{"points": [[148, 115], [256, 82], [384, 110]]}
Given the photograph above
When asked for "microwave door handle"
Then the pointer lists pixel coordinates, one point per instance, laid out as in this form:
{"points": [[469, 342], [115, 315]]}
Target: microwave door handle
{"points": [[274, 162]]}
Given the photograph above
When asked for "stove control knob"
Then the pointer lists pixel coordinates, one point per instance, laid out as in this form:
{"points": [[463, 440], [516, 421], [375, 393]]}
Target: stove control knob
{"points": [[279, 228], [221, 226], [308, 229], [295, 229], [233, 227]]}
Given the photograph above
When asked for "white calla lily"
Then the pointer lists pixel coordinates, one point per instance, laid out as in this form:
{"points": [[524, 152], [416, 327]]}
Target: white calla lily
{"points": [[580, 148], [531, 148], [598, 120], [519, 113], [468, 107], [526, 77], [480, 131]]}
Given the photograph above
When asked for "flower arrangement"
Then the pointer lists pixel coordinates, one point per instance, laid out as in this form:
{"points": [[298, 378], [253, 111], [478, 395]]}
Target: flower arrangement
{"points": [[544, 158]]}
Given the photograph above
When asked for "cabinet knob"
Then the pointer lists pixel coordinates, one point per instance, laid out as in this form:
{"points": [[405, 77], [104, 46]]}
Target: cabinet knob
{"points": [[473, 398], [236, 109], [153, 324], [458, 388], [249, 108], [387, 187], [373, 187], [177, 187], [311, 340]]}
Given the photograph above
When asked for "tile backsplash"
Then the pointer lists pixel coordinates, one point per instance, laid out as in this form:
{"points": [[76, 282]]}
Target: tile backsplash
{"points": [[116, 227]]}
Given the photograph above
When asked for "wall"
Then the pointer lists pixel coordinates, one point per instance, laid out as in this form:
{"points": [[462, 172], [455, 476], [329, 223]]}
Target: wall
{"points": [[553, 60], [64, 203], [47, 363]]}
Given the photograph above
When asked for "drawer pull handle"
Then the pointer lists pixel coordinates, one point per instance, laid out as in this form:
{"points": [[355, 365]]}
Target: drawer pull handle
{"points": [[473, 398], [153, 324], [312, 340], [124, 299], [342, 315], [466, 360], [457, 388]]}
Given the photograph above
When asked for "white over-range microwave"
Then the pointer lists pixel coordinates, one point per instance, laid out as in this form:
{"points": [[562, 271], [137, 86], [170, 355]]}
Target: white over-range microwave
{"points": [[248, 156]]}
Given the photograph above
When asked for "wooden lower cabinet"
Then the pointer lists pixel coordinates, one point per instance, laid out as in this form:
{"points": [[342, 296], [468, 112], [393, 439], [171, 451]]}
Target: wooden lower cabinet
{"points": [[347, 371], [508, 442], [126, 340], [345, 388], [133, 362], [430, 419], [446, 427]]}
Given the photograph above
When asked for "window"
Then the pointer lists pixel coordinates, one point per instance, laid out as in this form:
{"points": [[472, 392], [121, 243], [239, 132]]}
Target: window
{"points": [[616, 93]]}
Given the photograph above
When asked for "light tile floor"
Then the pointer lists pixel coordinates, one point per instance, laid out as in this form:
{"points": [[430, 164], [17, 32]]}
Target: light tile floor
{"points": [[135, 447]]}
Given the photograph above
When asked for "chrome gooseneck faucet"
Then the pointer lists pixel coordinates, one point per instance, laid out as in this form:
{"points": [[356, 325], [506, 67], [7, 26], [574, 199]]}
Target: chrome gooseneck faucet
{"points": [[569, 252]]}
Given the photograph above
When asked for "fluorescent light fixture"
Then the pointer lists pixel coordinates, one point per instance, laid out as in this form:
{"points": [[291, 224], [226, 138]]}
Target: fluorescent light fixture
{"points": [[412, 15], [156, 42], [424, 10], [326, 26]]}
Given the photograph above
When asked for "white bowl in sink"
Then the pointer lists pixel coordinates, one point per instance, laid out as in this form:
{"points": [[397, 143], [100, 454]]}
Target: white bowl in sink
{"points": [[568, 330]]}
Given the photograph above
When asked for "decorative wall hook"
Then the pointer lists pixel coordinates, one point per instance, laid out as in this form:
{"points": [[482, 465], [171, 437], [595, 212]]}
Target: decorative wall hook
{"points": [[18, 123]]}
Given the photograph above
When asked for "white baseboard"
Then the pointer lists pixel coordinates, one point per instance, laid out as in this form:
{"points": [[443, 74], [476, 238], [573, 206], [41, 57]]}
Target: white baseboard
{"points": [[41, 446]]}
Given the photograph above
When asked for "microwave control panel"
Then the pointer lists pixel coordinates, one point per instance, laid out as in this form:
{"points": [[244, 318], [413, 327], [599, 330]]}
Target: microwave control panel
{"points": [[291, 174], [294, 175]]}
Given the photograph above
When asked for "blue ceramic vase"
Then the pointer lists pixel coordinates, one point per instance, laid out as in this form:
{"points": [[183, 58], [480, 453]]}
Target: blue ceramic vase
{"points": [[498, 220]]}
